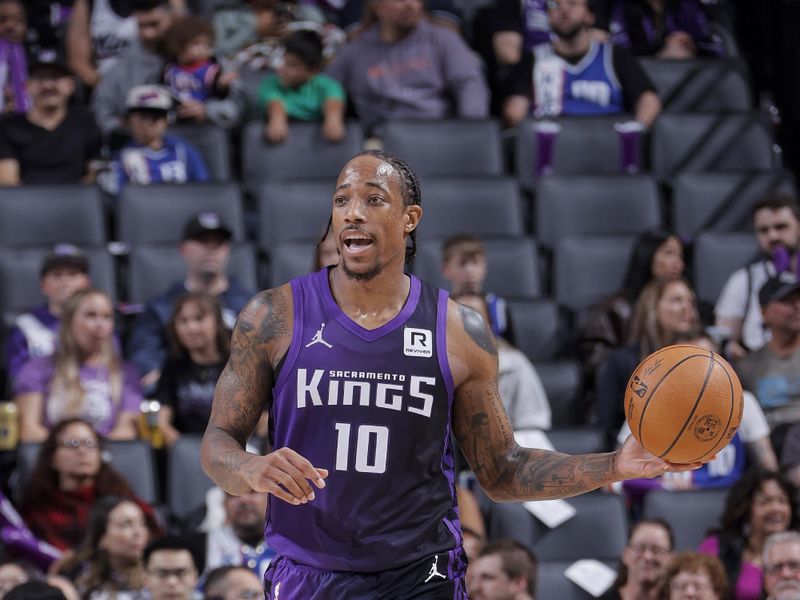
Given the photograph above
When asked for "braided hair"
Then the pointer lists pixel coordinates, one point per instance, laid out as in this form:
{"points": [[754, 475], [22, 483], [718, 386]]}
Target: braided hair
{"points": [[411, 190]]}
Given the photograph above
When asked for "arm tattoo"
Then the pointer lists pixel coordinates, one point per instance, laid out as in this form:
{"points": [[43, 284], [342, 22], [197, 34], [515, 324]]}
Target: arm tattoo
{"points": [[243, 389], [477, 329], [509, 472]]}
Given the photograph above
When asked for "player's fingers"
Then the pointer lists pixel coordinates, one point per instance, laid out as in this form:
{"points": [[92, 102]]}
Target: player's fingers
{"points": [[287, 476], [679, 468], [306, 468], [299, 477], [277, 491]]}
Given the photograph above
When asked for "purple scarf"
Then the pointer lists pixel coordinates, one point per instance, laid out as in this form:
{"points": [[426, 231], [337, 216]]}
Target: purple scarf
{"points": [[13, 74]]}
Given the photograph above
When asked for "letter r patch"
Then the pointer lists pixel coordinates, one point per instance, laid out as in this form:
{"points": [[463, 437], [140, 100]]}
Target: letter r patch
{"points": [[418, 342]]}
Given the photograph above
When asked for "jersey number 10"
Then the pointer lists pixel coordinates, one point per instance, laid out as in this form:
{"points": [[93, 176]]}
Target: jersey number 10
{"points": [[364, 441]]}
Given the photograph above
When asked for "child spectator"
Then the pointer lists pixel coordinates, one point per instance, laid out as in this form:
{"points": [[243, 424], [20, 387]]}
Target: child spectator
{"points": [[194, 76], [153, 156], [300, 92], [199, 347], [13, 66]]}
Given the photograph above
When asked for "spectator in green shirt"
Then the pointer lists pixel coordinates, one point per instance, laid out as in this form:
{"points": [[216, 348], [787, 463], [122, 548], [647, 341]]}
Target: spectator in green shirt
{"points": [[300, 92]]}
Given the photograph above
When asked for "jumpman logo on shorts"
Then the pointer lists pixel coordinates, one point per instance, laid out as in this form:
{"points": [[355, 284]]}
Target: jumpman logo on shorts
{"points": [[317, 339], [435, 570]]}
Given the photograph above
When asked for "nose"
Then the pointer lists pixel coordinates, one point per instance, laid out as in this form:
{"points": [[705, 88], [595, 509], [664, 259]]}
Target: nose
{"points": [[354, 212]]}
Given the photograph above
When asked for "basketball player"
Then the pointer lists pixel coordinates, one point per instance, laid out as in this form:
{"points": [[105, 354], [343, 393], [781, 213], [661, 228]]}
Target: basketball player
{"points": [[366, 370]]}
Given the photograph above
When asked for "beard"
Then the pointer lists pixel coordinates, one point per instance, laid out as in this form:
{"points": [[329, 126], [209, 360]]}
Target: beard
{"points": [[568, 34], [365, 276]]}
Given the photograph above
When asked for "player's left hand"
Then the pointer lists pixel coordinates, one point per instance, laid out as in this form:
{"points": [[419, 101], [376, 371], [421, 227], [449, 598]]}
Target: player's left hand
{"points": [[634, 462]]}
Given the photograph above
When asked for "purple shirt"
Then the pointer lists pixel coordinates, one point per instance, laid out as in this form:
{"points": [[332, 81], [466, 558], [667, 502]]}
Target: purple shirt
{"points": [[35, 334], [373, 407], [748, 586], [99, 409], [430, 74]]}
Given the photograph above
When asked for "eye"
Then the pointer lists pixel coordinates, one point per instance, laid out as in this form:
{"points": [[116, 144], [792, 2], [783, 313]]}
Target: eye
{"points": [[339, 201], [375, 199]]}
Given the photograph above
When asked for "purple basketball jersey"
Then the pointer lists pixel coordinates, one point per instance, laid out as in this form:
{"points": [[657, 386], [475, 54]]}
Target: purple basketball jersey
{"points": [[374, 408]]}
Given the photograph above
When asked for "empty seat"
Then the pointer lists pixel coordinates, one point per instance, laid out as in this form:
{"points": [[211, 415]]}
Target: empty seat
{"points": [[722, 201], [149, 214], [563, 382], [586, 205], [587, 145], [577, 440], [290, 260], [187, 483], [449, 148], [37, 215], [700, 85], [154, 268], [212, 143], [552, 584], [700, 511], [512, 266], [486, 207], [538, 328], [291, 211], [19, 277], [133, 459], [589, 268], [598, 530], [304, 155], [716, 256], [702, 143]]}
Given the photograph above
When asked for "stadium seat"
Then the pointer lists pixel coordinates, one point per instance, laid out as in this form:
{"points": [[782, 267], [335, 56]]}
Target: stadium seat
{"points": [[716, 256], [552, 584], [538, 328], [187, 483], [304, 155], [155, 267], [700, 85], [133, 459], [485, 207], [563, 382], [290, 260], [512, 266], [150, 214], [598, 530], [700, 511], [587, 269], [293, 211], [577, 440], [722, 201], [213, 144], [448, 148], [588, 145], [19, 277], [569, 205], [703, 143], [38, 215]]}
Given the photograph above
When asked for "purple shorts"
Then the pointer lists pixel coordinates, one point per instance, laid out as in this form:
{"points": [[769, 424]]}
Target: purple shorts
{"points": [[425, 579]]}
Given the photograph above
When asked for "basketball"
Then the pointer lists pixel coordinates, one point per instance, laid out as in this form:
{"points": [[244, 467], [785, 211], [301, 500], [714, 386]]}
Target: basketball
{"points": [[683, 403]]}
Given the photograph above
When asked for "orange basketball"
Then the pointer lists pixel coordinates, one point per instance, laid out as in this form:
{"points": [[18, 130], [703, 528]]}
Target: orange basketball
{"points": [[683, 403]]}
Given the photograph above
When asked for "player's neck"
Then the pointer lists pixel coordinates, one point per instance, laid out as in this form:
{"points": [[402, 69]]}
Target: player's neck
{"points": [[373, 302]]}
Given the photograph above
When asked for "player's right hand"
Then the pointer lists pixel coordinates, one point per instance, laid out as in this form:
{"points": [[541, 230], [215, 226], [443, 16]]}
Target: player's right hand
{"points": [[284, 474]]}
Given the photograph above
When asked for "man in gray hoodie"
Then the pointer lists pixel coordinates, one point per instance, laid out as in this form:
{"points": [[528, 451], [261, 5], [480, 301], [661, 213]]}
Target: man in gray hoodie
{"points": [[144, 64], [405, 67]]}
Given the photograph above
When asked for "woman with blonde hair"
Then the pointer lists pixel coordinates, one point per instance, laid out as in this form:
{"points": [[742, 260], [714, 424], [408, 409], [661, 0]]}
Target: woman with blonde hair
{"points": [[665, 309], [85, 378]]}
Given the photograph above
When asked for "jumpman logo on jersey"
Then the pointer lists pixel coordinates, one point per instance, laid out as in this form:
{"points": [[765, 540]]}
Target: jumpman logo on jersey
{"points": [[435, 570], [317, 339]]}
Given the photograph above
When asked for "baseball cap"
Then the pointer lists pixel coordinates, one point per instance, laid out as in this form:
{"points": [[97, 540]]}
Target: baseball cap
{"points": [[64, 255], [778, 288], [203, 223], [48, 61], [149, 97]]}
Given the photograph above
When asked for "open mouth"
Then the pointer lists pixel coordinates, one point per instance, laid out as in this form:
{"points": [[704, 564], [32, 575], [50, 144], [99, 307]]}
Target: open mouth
{"points": [[357, 243]]}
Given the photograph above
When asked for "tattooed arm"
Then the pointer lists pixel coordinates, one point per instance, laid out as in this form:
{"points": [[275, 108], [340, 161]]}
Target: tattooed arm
{"points": [[506, 470], [261, 337]]}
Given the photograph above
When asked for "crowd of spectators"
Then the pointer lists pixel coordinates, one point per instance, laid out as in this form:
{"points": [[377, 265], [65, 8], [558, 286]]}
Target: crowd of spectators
{"points": [[89, 92]]}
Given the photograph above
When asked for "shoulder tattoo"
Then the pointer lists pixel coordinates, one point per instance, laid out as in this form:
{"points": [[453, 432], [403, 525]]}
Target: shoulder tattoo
{"points": [[477, 329]]}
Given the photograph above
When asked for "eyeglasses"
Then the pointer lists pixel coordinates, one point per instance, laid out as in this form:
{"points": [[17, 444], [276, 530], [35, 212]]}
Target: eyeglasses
{"points": [[685, 586], [74, 444], [792, 566], [654, 550], [167, 573]]}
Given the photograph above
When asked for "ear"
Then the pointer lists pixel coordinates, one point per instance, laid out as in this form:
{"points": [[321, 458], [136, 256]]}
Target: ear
{"points": [[413, 214]]}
